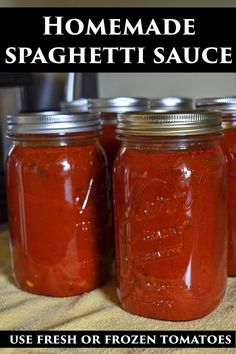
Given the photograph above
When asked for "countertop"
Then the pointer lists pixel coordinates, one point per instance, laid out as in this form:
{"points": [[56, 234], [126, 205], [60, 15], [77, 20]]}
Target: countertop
{"points": [[97, 310]]}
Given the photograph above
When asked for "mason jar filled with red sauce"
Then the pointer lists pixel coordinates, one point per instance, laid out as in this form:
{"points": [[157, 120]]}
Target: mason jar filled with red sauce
{"points": [[170, 214], [172, 103], [227, 106], [109, 108], [58, 203]]}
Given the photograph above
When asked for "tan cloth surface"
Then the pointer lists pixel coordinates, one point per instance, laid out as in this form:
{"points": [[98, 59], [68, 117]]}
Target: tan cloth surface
{"points": [[97, 310]]}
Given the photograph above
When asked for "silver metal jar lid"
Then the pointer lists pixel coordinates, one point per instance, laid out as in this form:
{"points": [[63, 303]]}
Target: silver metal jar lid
{"points": [[51, 123], [226, 105], [169, 123], [223, 104], [118, 104], [172, 103], [80, 105]]}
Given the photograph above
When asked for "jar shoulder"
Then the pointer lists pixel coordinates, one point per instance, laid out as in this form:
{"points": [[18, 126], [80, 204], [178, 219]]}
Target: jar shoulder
{"points": [[56, 153], [151, 159]]}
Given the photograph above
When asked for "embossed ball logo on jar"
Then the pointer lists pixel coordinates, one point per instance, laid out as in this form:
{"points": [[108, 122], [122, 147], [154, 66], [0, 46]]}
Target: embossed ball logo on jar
{"points": [[162, 212]]}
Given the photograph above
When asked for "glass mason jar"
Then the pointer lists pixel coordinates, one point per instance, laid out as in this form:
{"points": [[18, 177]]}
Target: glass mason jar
{"points": [[170, 214], [172, 103], [227, 106], [57, 185], [109, 108]]}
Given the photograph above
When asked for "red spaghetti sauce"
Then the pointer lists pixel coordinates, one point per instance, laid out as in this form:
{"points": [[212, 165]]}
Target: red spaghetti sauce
{"points": [[227, 106], [58, 207], [170, 226], [229, 147]]}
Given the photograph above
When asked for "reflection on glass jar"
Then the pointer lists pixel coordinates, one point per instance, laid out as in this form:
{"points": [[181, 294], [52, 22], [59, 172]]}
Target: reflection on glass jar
{"points": [[58, 204], [228, 145], [170, 215]]}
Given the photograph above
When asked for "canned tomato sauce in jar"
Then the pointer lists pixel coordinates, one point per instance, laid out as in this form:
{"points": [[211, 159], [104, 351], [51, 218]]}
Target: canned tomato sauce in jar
{"points": [[109, 108], [227, 106], [170, 214], [58, 203]]}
